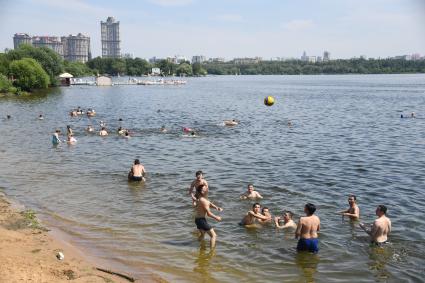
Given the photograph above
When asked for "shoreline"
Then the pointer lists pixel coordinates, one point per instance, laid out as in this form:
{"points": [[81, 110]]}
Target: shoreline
{"points": [[29, 253]]}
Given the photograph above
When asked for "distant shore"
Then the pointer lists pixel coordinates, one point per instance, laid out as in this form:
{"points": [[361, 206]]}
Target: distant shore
{"points": [[29, 253]]}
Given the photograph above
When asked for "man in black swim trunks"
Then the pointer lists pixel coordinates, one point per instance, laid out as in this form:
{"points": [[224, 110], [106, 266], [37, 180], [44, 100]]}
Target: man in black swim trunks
{"points": [[137, 172], [202, 209]]}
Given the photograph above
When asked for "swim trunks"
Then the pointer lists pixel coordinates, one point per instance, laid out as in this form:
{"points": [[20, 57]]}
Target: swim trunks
{"points": [[134, 178], [202, 224], [311, 245]]}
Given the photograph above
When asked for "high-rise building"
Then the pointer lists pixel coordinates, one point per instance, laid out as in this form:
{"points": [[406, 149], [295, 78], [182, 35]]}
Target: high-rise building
{"points": [[76, 48], [21, 38], [51, 42], [326, 56], [198, 59], [110, 35]]}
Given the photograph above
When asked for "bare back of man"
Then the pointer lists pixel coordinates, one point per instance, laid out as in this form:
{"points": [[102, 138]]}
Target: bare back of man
{"points": [[138, 170], [307, 229]]}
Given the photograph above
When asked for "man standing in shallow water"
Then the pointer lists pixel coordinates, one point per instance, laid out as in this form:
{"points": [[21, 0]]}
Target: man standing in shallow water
{"points": [[353, 211], [202, 208], [137, 172], [380, 228], [199, 182], [307, 229]]}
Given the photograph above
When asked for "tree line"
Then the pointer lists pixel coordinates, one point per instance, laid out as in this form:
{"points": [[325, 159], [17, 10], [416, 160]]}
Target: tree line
{"points": [[27, 68], [298, 67]]}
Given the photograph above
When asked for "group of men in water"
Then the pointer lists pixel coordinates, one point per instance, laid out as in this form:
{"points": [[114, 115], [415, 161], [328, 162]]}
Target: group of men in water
{"points": [[306, 230]]}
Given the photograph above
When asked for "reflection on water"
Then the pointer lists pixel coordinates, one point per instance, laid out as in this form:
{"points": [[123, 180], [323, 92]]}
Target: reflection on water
{"points": [[307, 263], [202, 262], [346, 138]]}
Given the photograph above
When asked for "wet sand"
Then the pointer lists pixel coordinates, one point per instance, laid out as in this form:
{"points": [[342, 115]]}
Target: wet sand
{"points": [[28, 253]]}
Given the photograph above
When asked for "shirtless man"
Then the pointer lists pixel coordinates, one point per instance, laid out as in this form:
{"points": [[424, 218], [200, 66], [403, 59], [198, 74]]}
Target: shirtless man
{"points": [[198, 182], [251, 193], [266, 212], [202, 209], [287, 221], [137, 172], [103, 132], [307, 229], [251, 216], [353, 211], [380, 229]]}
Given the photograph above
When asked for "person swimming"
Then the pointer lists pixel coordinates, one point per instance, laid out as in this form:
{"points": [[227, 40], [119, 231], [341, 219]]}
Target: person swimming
{"points": [[55, 138], [251, 193], [71, 139], [230, 122], [254, 216], [90, 129], [287, 220], [163, 129], [40, 117], [103, 132]]}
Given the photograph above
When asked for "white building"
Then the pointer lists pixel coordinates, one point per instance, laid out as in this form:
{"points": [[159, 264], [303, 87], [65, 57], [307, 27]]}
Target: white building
{"points": [[198, 59]]}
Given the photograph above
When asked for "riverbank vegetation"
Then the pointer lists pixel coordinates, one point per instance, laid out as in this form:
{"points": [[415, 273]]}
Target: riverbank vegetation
{"points": [[28, 68]]}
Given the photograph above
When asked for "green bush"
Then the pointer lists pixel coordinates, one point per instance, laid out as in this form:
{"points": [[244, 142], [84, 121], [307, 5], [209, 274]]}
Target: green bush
{"points": [[28, 74], [5, 84]]}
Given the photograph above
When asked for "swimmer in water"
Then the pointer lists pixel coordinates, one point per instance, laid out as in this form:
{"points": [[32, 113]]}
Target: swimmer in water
{"points": [[73, 113], [413, 115], [307, 229], [353, 211], [380, 228], [55, 137], [121, 131], [198, 182], [69, 131], [266, 212], [251, 193], [253, 216], [289, 123], [187, 130], [71, 139], [202, 209], [137, 172], [103, 132], [230, 122], [163, 129], [90, 129], [40, 117], [288, 223], [127, 134], [8, 116]]}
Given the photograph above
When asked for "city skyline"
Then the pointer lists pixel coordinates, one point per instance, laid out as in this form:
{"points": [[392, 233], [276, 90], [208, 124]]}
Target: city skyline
{"points": [[230, 29]]}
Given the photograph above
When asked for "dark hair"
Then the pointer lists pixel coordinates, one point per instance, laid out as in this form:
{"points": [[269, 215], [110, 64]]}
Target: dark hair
{"points": [[198, 173], [136, 161], [256, 204], [250, 185], [382, 208], [311, 208], [262, 210], [289, 213], [352, 196]]}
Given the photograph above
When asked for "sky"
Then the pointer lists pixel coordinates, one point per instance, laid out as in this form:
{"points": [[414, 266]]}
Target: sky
{"points": [[229, 28]]}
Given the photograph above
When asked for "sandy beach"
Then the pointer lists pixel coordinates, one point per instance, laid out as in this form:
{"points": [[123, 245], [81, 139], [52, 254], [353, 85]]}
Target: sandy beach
{"points": [[29, 253]]}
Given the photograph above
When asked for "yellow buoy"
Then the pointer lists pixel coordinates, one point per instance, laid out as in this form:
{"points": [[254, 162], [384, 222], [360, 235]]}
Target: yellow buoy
{"points": [[269, 101]]}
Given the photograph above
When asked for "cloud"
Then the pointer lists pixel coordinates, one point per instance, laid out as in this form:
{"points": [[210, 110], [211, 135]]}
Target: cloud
{"points": [[168, 3], [235, 18], [297, 25]]}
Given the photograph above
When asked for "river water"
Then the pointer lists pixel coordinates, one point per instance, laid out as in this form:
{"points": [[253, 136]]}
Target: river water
{"points": [[347, 138]]}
